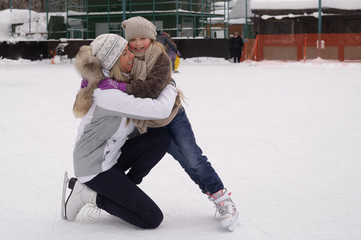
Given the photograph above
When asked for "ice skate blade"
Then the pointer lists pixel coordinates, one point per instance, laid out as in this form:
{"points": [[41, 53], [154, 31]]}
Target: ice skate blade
{"points": [[233, 226], [65, 183]]}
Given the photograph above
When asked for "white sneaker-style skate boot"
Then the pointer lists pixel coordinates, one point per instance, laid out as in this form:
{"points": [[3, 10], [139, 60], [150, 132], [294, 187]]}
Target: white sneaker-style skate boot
{"points": [[79, 196], [226, 209]]}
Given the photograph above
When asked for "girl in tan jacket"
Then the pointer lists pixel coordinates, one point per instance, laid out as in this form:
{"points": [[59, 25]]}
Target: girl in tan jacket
{"points": [[150, 74]]}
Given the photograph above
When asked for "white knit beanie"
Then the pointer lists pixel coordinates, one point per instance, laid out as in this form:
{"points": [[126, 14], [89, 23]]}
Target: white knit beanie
{"points": [[107, 49], [139, 26]]}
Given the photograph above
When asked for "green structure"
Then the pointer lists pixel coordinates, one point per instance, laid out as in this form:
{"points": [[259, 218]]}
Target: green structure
{"points": [[86, 19]]}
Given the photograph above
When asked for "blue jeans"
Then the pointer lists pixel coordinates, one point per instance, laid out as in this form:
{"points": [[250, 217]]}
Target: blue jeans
{"points": [[184, 149]]}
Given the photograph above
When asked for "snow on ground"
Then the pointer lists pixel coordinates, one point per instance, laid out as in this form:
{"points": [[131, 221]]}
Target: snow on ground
{"points": [[284, 137]]}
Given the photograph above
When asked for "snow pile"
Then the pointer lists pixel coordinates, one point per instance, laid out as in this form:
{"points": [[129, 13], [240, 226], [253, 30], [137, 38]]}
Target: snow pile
{"points": [[5, 24], [27, 25], [204, 60]]}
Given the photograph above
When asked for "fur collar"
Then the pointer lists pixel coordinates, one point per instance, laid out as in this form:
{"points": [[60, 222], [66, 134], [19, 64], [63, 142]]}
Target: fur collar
{"points": [[88, 66]]}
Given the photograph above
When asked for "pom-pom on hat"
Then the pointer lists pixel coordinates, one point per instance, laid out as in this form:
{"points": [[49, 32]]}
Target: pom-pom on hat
{"points": [[138, 26], [107, 49]]}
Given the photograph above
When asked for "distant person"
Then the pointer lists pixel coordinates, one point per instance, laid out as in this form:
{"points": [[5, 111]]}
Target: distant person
{"points": [[170, 46], [51, 54], [237, 47]]}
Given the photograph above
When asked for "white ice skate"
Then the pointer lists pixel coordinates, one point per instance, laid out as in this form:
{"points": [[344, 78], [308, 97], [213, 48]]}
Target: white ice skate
{"points": [[79, 196], [65, 183], [226, 209]]}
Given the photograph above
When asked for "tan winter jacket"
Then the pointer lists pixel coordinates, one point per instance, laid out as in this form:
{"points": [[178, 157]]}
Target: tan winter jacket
{"points": [[155, 82]]}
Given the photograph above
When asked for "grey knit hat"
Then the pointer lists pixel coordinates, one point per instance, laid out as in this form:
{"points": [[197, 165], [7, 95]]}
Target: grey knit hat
{"points": [[107, 49], [139, 26]]}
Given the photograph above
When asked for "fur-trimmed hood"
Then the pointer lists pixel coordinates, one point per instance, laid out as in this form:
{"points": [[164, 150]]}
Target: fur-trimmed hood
{"points": [[89, 67]]}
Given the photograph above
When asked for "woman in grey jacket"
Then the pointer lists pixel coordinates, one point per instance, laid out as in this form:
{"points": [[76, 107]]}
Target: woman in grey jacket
{"points": [[102, 152]]}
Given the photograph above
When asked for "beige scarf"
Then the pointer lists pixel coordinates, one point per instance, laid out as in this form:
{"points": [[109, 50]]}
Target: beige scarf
{"points": [[143, 62]]}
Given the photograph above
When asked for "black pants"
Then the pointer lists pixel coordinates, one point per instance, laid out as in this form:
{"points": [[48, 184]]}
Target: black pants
{"points": [[117, 191], [237, 54]]}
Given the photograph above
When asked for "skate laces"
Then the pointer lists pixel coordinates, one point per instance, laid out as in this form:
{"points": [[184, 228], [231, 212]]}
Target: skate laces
{"points": [[227, 207], [90, 213], [223, 203]]}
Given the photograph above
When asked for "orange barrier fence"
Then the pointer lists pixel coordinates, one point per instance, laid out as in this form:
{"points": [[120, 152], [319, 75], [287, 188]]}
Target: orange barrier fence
{"points": [[295, 47]]}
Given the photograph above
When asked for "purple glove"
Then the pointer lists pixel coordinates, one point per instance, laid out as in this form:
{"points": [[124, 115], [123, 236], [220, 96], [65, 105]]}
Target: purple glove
{"points": [[84, 83], [112, 84]]}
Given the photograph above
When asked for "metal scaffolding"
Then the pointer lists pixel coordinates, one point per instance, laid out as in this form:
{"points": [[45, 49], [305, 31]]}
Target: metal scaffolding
{"points": [[86, 19]]}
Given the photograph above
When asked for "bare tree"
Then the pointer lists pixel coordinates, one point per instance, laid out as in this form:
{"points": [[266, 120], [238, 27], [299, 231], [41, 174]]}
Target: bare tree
{"points": [[4, 4], [35, 5]]}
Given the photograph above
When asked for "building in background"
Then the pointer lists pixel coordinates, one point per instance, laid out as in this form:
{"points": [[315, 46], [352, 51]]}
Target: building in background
{"points": [[307, 29], [272, 29], [86, 19], [188, 18], [239, 17], [296, 17]]}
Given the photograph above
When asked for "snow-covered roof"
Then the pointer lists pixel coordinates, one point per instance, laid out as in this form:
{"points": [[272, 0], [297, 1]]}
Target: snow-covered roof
{"points": [[17, 16], [304, 4]]}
